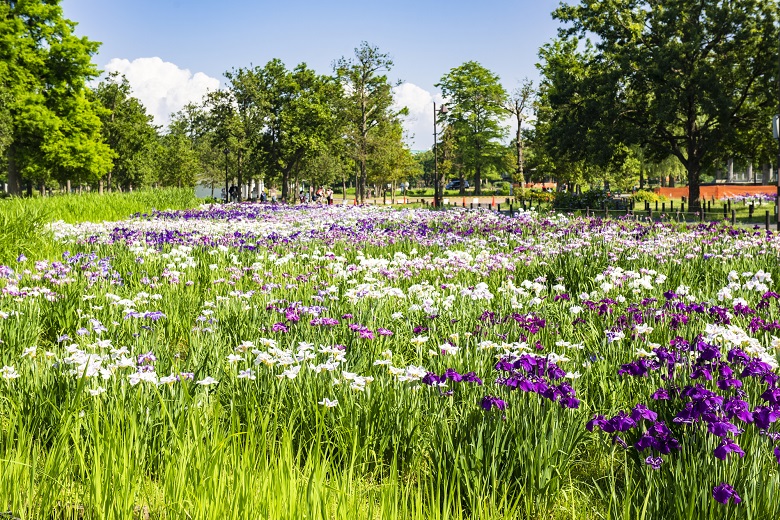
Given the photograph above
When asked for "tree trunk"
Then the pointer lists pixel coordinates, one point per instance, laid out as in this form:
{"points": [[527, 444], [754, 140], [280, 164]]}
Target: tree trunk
{"points": [[519, 139], [100, 186], [765, 174], [730, 171], [14, 175], [478, 180], [749, 174], [67, 186], [285, 186], [693, 169]]}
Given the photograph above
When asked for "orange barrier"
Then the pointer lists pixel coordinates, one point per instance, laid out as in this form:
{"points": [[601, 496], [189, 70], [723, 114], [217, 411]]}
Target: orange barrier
{"points": [[718, 191]]}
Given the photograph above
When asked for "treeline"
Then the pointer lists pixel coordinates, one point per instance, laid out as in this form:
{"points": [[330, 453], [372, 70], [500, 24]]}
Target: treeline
{"points": [[676, 90], [629, 92]]}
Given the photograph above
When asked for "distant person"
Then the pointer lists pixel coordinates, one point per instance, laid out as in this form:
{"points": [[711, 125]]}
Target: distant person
{"points": [[233, 191], [329, 195], [263, 198]]}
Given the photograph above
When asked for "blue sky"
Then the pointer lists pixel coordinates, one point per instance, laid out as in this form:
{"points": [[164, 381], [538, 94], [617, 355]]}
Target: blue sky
{"points": [[174, 50]]}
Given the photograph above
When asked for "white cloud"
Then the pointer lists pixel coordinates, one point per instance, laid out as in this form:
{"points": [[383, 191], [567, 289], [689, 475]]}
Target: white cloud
{"points": [[419, 123], [162, 86]]}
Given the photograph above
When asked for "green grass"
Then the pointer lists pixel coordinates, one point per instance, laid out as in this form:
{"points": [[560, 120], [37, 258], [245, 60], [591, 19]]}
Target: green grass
{"points": [[23, 220]]}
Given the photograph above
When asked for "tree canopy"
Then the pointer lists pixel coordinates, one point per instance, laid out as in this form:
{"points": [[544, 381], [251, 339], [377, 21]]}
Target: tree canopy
{"points": [[679, 78], [476, 103], [55, 124]]}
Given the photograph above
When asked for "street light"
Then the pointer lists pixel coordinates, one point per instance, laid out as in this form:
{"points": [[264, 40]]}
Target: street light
{"points": [[227, 188], [436, 188], [776, 135]]}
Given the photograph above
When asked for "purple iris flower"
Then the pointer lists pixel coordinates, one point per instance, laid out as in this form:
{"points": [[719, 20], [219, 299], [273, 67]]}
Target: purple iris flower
{"points": [[598, 420], [765, 416], [619, 423], [771, 395], [777, 454], [505, 365], [738, 408], [490, 401], [471, 377], [702, 371], [728, 446], [660, 395], [654, 462], [279, 327], [569, 402], [722, 428], [452, 374], [432, 379], [736, 355], [641, 411], [723, 493]]}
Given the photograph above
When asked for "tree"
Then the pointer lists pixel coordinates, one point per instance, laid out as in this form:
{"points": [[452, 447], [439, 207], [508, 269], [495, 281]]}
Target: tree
{"points": [[56, 127], [369, 99], [300, 120], [518, 104], [476, 106], [177, 159], [679, 78], [390, 161], [128, 130]]}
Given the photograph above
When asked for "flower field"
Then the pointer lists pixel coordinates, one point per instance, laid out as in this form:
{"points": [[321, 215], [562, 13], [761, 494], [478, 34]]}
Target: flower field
{"points": [[257, 361]]}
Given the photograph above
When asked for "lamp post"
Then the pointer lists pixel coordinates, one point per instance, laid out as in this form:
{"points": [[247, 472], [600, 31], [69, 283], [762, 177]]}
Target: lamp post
{"points": [[240, 180], [437, 195], [776, 135], [227, 187]]}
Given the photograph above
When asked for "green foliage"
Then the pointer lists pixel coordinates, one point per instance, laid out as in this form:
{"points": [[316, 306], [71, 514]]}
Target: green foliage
{"points": [[367, 105], [22, 230], [687, 79], [89, 207], [476, 108], [593, 199], [56, 126], [647, 196], [537, 196], [128, 130]]}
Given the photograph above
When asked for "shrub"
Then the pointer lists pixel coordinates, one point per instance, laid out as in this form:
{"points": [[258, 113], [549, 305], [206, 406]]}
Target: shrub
{"points": [[647, 196]]}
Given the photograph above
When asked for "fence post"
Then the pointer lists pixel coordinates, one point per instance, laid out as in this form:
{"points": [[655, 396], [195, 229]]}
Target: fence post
{"points": [[751, 208], [766, 219], [498, 206], [725, 211], [733, 217], [587, 212]]}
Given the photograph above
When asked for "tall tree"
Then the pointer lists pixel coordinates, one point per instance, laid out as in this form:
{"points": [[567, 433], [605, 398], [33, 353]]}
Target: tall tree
{"points": [[300, 118], [369, 100], [56, 128], [679, 77], [476, 107], [518, 104], [128, 129]]}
